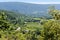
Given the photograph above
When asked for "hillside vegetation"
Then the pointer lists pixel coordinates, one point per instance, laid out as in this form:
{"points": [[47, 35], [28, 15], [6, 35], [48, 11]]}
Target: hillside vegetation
{"points": [[16, 26]]}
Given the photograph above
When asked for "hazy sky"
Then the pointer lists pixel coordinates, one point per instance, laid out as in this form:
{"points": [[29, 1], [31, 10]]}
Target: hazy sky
{"points": [[33, 1]]}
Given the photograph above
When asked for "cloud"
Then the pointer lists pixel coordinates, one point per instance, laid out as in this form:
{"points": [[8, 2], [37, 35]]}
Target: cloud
{"points": [[45, 2], [9, 0]]}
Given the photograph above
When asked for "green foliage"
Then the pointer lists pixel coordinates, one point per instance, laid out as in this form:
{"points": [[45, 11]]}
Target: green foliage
{"points": [[54, 12], [16, 27], [51, 30]]}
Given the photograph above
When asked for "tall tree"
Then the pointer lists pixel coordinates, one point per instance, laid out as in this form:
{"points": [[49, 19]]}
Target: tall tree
{"points": [[54, 12]]}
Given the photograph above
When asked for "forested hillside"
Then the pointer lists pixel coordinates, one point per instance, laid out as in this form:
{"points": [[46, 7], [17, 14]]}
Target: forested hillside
{"points": [[34, 10], [17, 26]]}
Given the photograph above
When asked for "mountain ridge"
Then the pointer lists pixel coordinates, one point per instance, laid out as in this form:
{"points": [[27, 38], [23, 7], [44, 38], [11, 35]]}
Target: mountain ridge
{"points": [[30, 9]]}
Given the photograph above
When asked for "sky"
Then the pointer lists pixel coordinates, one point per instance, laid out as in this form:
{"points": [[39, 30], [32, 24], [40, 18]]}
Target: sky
{"points": [[34, 1]]}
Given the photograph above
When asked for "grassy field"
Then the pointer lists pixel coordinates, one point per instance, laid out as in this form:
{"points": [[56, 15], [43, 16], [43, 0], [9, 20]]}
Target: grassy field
{"points": [[33, 26]]}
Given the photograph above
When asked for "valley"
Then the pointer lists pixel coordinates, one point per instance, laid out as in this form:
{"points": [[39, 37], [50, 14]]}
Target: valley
{"points": [[25, 21]]}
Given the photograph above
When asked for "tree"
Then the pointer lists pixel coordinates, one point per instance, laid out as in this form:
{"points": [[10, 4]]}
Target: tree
{"points": [[51, 30], [4, 24], [54, 12]]}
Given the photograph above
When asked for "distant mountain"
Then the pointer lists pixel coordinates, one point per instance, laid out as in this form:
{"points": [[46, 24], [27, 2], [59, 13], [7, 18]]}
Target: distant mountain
{"points": [[36, 10]]}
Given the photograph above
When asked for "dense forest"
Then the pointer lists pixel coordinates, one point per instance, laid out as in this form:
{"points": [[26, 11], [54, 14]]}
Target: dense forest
{"points": [[16, 26]]}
